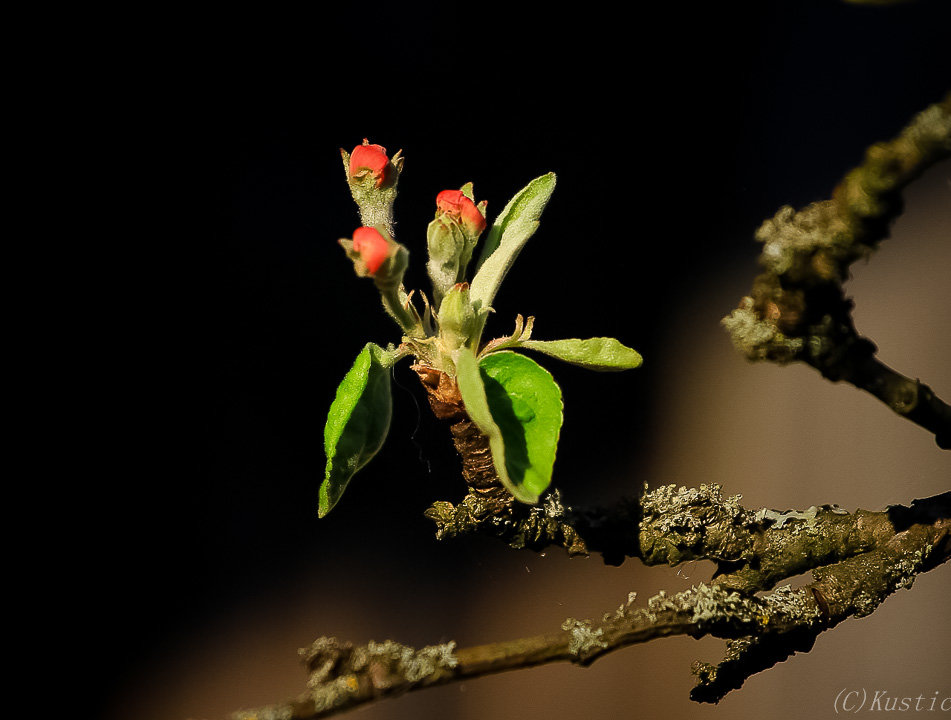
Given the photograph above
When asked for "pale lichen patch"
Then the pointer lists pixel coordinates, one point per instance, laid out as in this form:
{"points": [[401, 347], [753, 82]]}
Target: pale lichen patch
{"points": [[680, 524], [760, 339], [552, 505], [865, 604], [341, 673], [779, 519], [904, 572], [266, 713], [790, 239], [584, 638], [406, 662], [674, 506], [623, 610], [327, 695], [703, 604], [791, 605]]}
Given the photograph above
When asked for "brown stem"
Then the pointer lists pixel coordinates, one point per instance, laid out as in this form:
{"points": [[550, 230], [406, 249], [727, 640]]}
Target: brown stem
{"points": [[911, 399], [478, 469]]}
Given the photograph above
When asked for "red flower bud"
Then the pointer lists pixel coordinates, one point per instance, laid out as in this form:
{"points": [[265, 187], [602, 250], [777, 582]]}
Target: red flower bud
{"points": [[372, 246], [371, 159], [456, 205]]}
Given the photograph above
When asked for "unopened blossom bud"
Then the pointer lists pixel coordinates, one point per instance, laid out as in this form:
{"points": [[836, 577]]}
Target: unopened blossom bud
{"points": [[376, 255], [460, 208], [371, 246], [452, 236], [449, 252], [367, 159], [457, 319]]}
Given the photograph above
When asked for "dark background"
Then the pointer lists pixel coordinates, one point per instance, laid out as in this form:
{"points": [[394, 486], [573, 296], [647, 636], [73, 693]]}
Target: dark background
{"points": [[229, 314]]}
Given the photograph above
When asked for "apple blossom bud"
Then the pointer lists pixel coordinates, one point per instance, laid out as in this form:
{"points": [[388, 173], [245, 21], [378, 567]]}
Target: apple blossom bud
{"points": [[367, 159], [375, 254], [457, 319], [460, 208], [449, 252], [371, 246]]}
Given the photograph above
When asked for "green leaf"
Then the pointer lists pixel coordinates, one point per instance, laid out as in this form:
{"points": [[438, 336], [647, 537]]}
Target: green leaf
{"points": [[605, 354], [517, 404], [357, 423], [514, 226]]}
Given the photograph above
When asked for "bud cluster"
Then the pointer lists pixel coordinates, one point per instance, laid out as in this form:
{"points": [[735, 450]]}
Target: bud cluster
{"points": [[507, 409], [451, 239]]}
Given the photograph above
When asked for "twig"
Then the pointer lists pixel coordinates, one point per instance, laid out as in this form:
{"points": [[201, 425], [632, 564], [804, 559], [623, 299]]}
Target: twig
{"points": [[343, 676], [671, 525], [882, 552], [851, 588], [797, 309]]}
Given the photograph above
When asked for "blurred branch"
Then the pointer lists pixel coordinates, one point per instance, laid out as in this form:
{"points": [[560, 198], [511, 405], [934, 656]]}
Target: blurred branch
{"points": [[862, 558], [797, 309]]}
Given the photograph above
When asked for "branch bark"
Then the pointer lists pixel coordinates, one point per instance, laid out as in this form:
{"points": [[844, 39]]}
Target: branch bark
{"points": [[861, 559], [798, 310]]}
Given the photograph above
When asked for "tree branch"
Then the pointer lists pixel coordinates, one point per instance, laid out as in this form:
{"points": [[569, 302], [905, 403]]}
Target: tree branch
{"points": [[853, 587], [797, 309], [862, 558], [670, 525]]}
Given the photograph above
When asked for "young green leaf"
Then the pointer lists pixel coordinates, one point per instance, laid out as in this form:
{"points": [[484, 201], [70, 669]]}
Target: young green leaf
{"points": [[526, 405], [517, 404], [604, 354], [514, 226], [357, 423]]}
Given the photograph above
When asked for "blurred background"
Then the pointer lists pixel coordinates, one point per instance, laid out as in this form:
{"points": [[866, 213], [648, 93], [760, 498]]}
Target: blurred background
{"points": [[675, 129]]}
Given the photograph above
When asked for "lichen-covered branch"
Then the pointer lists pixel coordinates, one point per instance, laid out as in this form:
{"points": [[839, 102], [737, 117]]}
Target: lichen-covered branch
{"points": [[797, 309], [671, 525], [343, 675], [853, 587], [857, 561]]}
